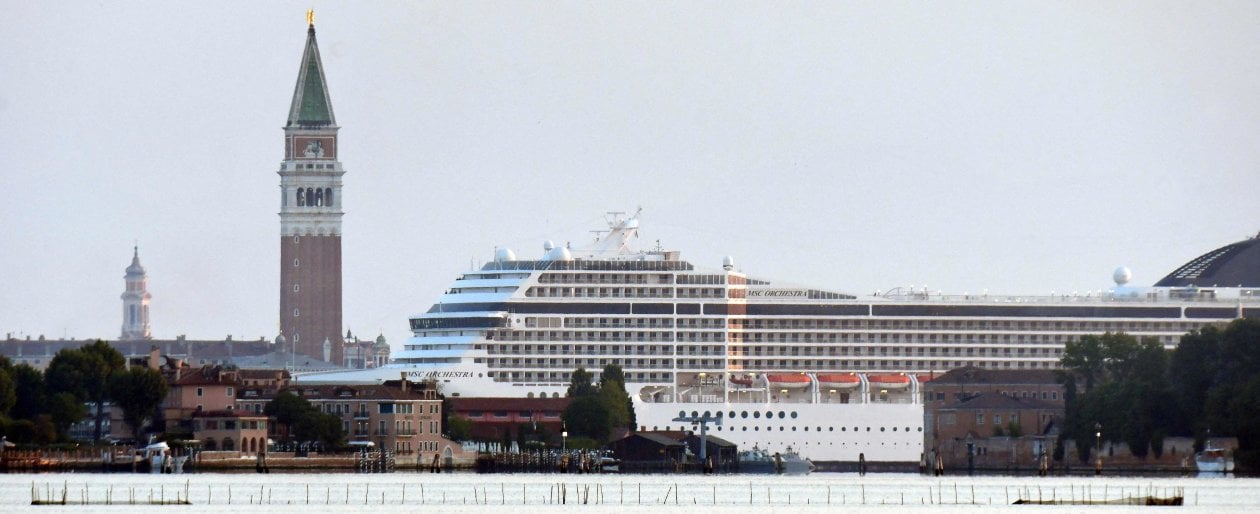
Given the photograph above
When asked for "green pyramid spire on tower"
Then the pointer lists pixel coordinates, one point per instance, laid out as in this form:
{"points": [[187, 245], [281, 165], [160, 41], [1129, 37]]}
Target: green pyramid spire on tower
{"points": [[311, 105]]}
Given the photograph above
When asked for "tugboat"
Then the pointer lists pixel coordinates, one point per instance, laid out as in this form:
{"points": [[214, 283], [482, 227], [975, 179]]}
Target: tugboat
{"points": [[758, 460]]}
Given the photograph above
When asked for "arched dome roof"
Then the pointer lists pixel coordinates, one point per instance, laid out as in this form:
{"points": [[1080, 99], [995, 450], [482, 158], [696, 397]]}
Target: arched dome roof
{"points": [[1233, 265]]}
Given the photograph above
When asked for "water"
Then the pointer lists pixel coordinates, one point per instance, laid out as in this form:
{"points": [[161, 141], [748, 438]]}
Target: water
{"points": [[466, 492]]}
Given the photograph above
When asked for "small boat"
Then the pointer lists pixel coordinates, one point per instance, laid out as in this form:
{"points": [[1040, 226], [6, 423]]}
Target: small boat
{"points": [[1214, 460], [789, 462], [889, 381], [839, 381], [742, 380], [797, 381]]}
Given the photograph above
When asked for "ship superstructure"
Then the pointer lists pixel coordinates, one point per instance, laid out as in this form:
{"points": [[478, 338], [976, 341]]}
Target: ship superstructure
{"points": [[834, 375]]}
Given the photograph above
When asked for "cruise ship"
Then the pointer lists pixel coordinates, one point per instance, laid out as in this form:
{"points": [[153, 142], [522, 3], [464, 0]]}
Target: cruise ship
{"points": [[834, 376]]}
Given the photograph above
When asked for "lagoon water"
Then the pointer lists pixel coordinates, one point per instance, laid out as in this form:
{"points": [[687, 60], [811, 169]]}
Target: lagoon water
{"points": [[312, 493]]}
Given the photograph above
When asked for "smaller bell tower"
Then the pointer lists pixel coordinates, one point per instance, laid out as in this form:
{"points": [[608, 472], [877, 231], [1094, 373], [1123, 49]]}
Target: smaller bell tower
{"points": [[135, 299]]}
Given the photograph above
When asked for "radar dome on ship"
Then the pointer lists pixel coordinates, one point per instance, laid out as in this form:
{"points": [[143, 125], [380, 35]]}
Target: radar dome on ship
{"points": [[548, 245], [559, 253], [1122, 275], [504, 255], [728, 263]]}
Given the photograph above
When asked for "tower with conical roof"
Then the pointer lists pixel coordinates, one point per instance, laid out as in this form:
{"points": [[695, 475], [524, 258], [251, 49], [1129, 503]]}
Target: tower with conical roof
{"points": [[310, 216], [135, 299]]}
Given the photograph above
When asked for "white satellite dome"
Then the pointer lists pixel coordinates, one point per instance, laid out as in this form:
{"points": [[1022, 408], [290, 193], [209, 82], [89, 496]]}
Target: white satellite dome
{"points": [[548, 245], [504, 255], [558, 253], [728, 263], [1122, 275]]}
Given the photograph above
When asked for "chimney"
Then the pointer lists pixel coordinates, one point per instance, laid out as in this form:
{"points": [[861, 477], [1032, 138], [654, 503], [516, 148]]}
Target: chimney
{"points": [[404, 381]]}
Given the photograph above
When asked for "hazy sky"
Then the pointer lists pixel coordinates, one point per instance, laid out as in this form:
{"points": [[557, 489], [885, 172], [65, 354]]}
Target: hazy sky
{"points": [[1019, 147]]}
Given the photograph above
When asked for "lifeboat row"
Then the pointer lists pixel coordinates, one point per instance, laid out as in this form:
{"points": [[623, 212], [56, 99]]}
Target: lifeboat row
{"points": [[832, 381]]}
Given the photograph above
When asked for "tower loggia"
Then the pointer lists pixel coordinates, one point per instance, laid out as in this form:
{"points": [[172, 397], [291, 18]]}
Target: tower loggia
{"points": [[310, 217]]}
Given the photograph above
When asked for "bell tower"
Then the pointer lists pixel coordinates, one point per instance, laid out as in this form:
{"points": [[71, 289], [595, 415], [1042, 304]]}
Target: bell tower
{"points": [[310, 216], [135, 299]]}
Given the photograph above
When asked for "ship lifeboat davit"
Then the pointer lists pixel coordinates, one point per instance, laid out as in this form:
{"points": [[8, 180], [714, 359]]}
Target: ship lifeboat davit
{"points": [[842, 381], [788, 381], [889, 381]]}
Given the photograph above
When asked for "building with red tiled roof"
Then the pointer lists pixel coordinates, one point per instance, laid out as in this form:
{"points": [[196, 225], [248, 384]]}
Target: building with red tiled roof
{"points": [[499, 419]]}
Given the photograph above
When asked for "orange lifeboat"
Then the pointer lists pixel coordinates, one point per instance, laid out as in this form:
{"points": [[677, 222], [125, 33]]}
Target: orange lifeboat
{"points": [[797, 381], [889, 381], [839, 381], [742, 380]]}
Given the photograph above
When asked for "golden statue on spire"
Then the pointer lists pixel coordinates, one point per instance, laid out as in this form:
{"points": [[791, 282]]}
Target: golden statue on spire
{"points": [[310, 17]]}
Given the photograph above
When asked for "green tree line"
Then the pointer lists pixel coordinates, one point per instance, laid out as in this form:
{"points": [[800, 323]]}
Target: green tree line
{"points": [[1133, 391], [38, 408]]}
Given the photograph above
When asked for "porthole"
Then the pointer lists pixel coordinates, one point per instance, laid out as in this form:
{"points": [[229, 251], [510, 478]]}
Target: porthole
{"points": [[756, 429], [694, 414], [793, 429], [868, 429], [780, 429], [920, 429], [793, 414], [807, 429], [881, 429], [744, 429], [782, 415], [844, 429], [682, 413], [707, 414], [831, 429], [756, 414], [769, 414], [743, 414], [732, 415]]}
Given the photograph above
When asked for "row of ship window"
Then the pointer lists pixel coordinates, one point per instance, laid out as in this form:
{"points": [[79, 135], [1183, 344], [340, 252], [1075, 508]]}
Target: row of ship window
{"points": [[721, 428], [623, 292], [622, 278], [936, 324], [665, 377]]}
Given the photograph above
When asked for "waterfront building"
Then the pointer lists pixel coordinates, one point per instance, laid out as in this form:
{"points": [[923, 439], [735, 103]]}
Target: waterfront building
{"points": [[231, 430], [499, 419], [399, 415]]}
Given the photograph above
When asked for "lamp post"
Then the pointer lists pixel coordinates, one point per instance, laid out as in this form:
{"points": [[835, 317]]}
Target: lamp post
{"points": [[1098, 442]]}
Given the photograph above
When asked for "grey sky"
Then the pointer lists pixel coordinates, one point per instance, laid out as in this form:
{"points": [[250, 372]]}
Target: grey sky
{"points": [[1015, 146]]}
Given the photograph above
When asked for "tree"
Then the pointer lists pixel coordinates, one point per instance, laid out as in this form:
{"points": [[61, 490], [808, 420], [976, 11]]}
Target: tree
{"points": [[304, 422], [581, 383], [8, 386], [587, 416], [1084, 358], [458, 428], [64, 409], [1127, 391], [612, 392], [32, 399], [138, 392], [287, 408], [316, 426], [84, 372]]}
